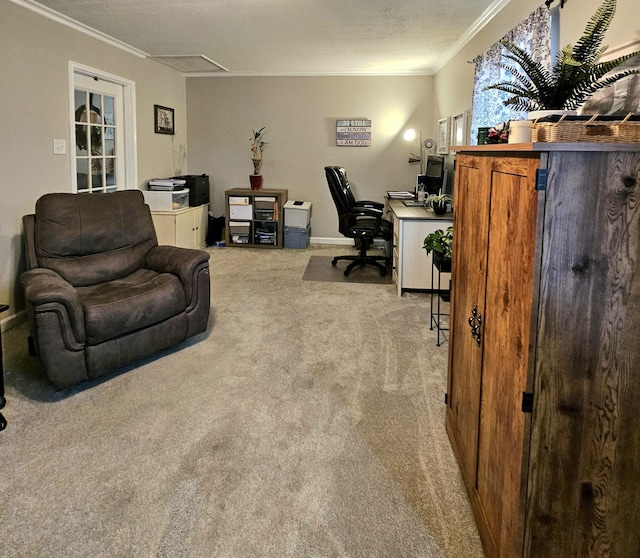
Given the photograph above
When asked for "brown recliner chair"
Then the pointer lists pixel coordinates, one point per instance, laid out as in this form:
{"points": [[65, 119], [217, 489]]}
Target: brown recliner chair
{"points": [[100, 292]]}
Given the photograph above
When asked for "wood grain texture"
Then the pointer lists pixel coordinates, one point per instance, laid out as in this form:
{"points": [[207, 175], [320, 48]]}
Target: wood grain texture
{"points": [[502, 441], [469, 268], [585, 447]]}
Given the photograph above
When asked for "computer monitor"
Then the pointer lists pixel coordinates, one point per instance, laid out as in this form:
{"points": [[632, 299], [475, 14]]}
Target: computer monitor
{"points": [[433, 179]]}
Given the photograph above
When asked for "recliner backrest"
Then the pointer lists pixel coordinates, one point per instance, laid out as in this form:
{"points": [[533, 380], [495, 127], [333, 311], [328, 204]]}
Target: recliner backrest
{"points": [[92, 238]]}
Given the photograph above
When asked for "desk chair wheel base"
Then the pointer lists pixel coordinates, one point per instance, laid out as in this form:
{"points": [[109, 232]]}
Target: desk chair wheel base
{"points": [[361, 261]]}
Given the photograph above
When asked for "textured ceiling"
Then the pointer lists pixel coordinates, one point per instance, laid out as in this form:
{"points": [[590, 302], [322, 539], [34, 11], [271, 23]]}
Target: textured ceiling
{"points": [[290, 37]]}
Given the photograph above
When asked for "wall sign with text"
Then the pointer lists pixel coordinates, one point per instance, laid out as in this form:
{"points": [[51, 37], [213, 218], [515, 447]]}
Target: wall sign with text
{"points": [[353, 133]]}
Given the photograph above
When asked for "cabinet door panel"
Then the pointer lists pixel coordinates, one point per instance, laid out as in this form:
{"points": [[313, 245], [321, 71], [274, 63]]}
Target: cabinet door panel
{"points": [[185, 230], [506, 326], [585, 454], [468, 282]]}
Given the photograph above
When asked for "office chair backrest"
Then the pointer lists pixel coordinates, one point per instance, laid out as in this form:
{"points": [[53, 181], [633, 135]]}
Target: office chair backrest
{"points": [[340, 189]]}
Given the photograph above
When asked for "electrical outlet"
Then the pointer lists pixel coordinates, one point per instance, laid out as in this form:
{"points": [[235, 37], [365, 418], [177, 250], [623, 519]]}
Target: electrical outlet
{"points": [[59, 147]]}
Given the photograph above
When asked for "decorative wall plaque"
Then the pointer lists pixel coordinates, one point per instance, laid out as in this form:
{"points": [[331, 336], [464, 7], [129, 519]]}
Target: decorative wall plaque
{"points": [[353, 133]]}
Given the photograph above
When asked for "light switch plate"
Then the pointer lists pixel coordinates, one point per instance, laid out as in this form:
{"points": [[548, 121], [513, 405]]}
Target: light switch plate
{"points": [[59, 147]]}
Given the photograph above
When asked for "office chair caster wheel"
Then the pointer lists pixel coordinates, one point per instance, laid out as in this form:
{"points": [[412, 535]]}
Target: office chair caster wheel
{"points": [[346, 273]]}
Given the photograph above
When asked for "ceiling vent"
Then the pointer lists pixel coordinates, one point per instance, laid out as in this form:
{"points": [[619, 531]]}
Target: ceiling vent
{"points": [[190, 63]]}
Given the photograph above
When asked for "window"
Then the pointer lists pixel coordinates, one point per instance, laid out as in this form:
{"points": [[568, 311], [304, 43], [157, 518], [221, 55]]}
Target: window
{"points": [[532, 35], [102, 117]]}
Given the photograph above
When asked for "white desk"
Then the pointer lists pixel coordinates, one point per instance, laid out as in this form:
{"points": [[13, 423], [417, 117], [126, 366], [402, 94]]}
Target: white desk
{"points": [[411, 265]]}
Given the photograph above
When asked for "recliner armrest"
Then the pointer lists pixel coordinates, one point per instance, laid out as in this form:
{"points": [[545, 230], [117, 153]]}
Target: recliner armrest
{"points": [[184, 263], [44, 288]]}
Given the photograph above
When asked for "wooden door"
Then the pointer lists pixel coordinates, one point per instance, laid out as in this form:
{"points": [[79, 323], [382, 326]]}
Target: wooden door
{"points": [[471, 222], [506, 327]]}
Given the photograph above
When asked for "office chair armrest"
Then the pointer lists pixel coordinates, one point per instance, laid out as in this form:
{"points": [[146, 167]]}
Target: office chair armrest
{"points": [[357, 212], [370, 204]]}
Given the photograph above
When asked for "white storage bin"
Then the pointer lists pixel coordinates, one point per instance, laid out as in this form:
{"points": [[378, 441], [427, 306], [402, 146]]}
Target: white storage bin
{"points": [[297, 214], [158, 200]]}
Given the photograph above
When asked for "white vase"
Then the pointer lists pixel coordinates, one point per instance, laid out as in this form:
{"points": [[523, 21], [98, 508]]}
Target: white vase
{"points": [[520, 131]]}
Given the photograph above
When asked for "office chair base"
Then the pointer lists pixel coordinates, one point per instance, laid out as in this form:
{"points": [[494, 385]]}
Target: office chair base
{"points": [[361, 261]]}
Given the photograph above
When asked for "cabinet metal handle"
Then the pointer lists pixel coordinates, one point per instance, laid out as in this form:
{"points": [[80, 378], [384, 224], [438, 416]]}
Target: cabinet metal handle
{"points": [[475, 321]]}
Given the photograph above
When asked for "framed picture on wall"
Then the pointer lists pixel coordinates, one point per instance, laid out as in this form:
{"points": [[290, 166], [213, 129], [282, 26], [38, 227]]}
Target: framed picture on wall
{"points": [[460, 129], [443, 136], [163, 120]]}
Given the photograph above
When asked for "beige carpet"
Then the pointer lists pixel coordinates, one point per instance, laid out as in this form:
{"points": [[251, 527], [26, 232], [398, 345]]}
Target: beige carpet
{"points": [[319, 268], [307, 422]]}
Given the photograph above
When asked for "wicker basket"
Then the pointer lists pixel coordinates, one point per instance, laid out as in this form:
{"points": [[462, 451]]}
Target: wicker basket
{"points": [[591, 130]]}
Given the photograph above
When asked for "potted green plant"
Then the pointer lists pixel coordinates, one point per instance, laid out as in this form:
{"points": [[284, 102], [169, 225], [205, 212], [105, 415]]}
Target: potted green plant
{"points": [[575, 75], [440, 242], [257, 147], [438, 203]]}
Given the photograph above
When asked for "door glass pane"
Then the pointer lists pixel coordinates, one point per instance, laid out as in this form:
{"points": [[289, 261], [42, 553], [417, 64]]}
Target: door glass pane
{"points": [[110, 141], [96, 140], [95, 108], [108, 114], [96, 174], [80, 103], [81, 140], [82, 173], [110, 170]]}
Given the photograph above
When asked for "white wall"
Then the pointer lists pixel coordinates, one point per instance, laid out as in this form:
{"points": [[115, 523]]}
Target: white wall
{"points": [[300, 116], [34, 55]]}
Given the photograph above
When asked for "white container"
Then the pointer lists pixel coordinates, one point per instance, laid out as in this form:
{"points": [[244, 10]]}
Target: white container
{"points": [[244, 212], [520, 131], [297, 214], [158, 200]]}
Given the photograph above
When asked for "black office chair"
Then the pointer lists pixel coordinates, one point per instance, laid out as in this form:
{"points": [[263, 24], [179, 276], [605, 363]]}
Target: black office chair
{"points": [[361, 220]]}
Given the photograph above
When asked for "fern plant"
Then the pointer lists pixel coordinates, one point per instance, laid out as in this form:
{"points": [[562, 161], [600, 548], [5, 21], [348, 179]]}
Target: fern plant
{"points": [[575, 76]]}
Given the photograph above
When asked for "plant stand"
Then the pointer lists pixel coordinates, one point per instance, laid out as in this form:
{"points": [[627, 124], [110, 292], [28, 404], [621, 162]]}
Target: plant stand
{"points": [[3, 421], [439, 265]]}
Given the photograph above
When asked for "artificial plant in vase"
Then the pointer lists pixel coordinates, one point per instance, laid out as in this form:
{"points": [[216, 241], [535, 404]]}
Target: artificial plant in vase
{"points": [[438, 203], [257, 147], [440, 242], [575, 75]]}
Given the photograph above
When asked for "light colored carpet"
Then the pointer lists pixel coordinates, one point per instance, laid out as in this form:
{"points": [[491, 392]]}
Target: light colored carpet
{"points": [[319, 268], [307, 422]]}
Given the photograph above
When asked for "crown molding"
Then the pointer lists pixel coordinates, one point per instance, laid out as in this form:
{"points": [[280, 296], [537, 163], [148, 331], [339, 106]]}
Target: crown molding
{"points": [[52, 15], [470, 33]]}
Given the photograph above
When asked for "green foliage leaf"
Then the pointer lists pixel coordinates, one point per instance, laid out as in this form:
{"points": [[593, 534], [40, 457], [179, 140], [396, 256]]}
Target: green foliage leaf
{"points": [[575, 75]]}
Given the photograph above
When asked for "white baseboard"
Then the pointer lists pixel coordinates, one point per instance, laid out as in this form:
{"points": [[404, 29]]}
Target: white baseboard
{"points": [[327, 240], [13, 320]]}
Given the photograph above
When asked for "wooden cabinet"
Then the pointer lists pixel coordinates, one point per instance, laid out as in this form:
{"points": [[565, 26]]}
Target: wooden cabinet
{"points": [[411, 264], [545, 314], [255, 218], [186, 228]]}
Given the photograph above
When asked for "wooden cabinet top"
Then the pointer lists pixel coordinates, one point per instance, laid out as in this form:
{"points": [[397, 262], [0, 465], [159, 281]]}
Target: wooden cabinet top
{"points": [[261, 192], [542, 146]]}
